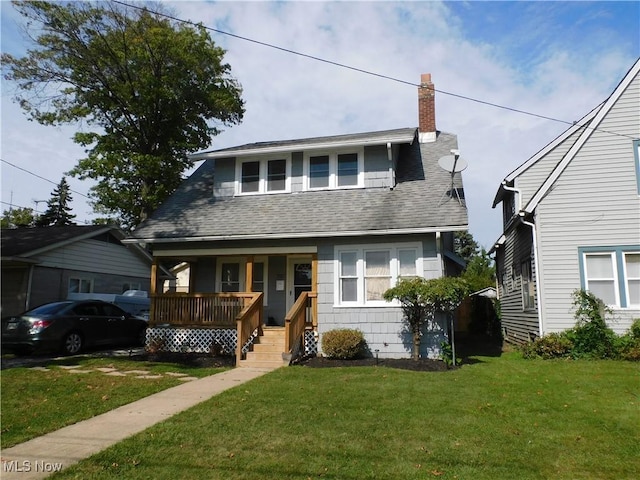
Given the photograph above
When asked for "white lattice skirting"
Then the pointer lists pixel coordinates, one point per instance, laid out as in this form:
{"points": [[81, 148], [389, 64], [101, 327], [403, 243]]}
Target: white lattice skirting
{"points": [[207, 340]]}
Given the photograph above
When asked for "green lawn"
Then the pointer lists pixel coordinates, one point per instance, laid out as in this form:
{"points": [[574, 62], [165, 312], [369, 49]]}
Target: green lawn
{"points": [[35, 402], [500, 418]]}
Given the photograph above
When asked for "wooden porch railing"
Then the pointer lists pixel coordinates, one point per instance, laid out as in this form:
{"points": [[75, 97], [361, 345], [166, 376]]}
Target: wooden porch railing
{"points": [[198, 309], [301, 315], [249, 318]]}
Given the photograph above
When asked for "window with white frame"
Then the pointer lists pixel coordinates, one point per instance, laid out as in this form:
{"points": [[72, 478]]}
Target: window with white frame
{"points": [[612, 274], [365, 272], [267, 175], [80, 285], [528, 290], [332, 170], [601, 277], [632, 276]]}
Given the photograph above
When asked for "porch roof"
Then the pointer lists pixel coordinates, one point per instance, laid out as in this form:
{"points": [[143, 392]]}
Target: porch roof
{"points": [[418, 203]]}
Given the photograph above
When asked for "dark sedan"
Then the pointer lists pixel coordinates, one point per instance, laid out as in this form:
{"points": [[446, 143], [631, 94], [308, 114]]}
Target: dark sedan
{"points": [[70, 326]]}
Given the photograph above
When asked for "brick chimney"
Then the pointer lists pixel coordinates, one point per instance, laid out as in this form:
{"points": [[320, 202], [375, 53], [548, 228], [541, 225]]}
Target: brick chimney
{"points": [[426, 110]]}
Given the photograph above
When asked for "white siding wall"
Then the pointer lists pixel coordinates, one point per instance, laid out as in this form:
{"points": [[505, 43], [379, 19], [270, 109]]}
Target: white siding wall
{"points": [[594, 203], [530, 180], [98, 257]]}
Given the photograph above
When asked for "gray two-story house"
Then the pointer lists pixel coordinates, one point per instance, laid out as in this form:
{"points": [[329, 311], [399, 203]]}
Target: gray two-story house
{"points": [[572, 221], [307, 234]]}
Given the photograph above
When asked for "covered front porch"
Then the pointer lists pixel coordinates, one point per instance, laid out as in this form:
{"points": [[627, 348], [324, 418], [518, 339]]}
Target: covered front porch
{"points": [[224, 304]]}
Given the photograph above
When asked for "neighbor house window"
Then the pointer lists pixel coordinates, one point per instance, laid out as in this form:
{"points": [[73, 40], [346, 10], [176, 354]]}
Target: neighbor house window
{"points": [[632, 275], [528, 290], [612, 274], [365, 272], [601, 276], [334, 170], [80, 285], [268, 175], [131, 286]]}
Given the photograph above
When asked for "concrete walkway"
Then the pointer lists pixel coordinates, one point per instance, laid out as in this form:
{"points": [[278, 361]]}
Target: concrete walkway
{"points": [[41, 456]]}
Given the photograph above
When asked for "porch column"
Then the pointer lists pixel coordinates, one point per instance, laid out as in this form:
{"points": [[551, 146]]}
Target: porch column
{"points": [[314, 287], [154, 277], [248, 287]]}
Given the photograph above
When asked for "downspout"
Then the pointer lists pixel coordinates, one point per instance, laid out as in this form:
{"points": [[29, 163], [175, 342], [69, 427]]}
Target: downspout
{"points": [[392, 177], [535, 261]]}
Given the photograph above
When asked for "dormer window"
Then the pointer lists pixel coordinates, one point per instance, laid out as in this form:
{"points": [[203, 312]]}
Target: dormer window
{"points": [[268, 175], [334, 170]]}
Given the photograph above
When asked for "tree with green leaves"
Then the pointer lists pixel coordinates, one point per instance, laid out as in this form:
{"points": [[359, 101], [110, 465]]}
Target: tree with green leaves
{"points": [[465, 246], [480, 272], [18, 217], [58, 212], [421, 299], [150, 89]]}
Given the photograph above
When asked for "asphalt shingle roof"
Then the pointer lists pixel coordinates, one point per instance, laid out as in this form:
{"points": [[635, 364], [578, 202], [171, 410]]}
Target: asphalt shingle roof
{"points": [[21, 241], [419, 201]]}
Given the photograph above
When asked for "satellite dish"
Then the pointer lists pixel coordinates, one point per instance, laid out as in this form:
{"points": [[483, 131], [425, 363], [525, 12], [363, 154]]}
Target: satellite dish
{"points": [[453, 163]]}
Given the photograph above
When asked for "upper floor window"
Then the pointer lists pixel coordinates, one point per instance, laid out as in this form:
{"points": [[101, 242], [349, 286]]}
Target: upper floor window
{"points": [[508, 207], [269, 175], [334, 170]]}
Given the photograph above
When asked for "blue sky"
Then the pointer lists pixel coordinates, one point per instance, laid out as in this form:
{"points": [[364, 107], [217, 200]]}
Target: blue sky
{"points": [[557, 59]]}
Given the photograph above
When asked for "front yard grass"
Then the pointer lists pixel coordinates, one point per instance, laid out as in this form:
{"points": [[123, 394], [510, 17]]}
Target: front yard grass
{"points": [[35, 401], [499, 418]]}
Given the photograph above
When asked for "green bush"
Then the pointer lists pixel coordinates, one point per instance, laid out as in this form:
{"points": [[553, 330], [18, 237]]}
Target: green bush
{"points": [[344, 344], [553, 345], [628, 345]]}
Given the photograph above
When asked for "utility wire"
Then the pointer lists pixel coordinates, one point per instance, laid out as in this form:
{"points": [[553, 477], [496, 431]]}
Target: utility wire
{"points": [[13, 205], [42, 178], [366, 72]]}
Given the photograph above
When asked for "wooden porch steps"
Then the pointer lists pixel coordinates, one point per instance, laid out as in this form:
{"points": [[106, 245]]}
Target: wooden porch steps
{"points": [[267, 349]]}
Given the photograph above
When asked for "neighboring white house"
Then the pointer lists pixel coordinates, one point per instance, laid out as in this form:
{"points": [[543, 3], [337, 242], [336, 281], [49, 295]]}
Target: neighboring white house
{"points": [[338, 218], [572, 220]]}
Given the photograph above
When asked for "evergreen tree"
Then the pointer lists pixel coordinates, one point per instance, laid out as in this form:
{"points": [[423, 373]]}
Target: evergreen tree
{"points": [[58, 211]]}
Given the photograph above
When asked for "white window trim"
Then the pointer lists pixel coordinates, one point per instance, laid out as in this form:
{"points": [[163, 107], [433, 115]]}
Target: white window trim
{"points": [[333, 168], [360, 251], [262, 185], [587, 278], [627, 279]]}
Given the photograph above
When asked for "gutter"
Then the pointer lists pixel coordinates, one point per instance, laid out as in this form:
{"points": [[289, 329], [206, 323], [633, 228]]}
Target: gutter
{"points": [[536, 263]]}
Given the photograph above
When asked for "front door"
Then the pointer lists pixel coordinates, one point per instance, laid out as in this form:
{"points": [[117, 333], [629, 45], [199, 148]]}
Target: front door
{"points": [[298, 279]]}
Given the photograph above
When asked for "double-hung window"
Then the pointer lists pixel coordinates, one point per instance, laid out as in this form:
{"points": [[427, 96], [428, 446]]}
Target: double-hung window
{"points": [[528, 291], [269, 175], [612, 274], [80, 285], [365, 272], [334, 170]]}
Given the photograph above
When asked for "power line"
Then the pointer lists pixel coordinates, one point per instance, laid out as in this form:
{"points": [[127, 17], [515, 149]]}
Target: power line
{"points": [[12, 205], [366, 72], [41, 178]]}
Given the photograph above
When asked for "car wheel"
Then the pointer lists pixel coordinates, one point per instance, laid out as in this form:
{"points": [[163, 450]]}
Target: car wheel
{"points": [[72, 343]]}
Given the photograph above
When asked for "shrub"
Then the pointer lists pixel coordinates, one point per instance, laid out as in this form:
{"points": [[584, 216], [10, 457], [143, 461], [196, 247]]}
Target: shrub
{"points": [[628, 345], [553, 345], [591, 336], [345, 344]]}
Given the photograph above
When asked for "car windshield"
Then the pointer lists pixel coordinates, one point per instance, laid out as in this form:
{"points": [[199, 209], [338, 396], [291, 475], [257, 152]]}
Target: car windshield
{"points": [[48, 309]]}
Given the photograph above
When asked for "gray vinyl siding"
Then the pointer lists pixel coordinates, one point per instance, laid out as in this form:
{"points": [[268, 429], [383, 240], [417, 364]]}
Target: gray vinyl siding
{"points": [[529, 181], [97, 257], [593, 203], [518, 324], [297, 162], [382, 327]]}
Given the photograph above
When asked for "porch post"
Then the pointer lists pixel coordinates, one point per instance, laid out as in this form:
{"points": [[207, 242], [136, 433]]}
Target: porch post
{"points": [[154, 277], [248, 287], [314, 288]]}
